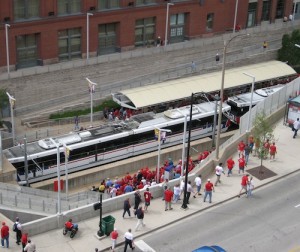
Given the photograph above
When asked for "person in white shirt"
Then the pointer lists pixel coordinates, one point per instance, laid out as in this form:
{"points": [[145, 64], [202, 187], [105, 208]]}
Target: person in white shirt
{"points": [[30, 246], [177, 192], [198, 184], [128, 240], [219, 170], [296, 126]]}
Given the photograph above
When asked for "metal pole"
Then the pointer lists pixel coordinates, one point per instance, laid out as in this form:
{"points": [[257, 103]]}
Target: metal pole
{"points": [[215, 121], [183, 144], [167, 22], [294, 11], [1, 153], [12, 102], [26, 162], [158, 158], [91, 91], [221, 101], [66, 169], [235, 14], [251, 101], [88, 35], [184, 204], [7, 49], [100, 232]]}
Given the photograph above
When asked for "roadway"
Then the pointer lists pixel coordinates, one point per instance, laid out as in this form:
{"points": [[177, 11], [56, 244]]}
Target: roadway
{"points": [[267, 222]]}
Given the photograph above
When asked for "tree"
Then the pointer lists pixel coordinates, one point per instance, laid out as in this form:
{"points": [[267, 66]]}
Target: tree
{"points": [[289, 52], [263, 133], [3, 103]]}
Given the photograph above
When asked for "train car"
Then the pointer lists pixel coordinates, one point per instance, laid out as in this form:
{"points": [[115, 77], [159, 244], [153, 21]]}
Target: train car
{"points": [[112, 142], [240, 104]]}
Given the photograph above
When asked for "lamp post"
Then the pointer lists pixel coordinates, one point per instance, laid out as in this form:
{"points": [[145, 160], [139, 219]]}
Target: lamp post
{"points": [[91, 90], [159, 148], [167, 22], [235, 15], [67, 155], [58, 175], [297, 45], [12, 101], [251, 101], [217, 99], [222, 91], [88, 35], [7, 48]]}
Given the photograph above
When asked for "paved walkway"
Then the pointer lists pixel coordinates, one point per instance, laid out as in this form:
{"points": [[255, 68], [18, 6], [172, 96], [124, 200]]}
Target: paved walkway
{"points": [[286, 162]]}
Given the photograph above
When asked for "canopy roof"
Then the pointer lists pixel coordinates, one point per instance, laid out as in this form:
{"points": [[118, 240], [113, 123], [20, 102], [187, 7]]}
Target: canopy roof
{"points": [[181, 88]]}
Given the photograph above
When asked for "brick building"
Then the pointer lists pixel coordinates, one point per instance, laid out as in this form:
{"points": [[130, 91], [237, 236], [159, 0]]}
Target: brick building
{"points": [[43, 32]]}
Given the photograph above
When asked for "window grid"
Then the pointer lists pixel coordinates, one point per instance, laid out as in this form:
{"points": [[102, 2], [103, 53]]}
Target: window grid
{"points": [[26, 9], [108, 4], [68, 7], [69, 43]]}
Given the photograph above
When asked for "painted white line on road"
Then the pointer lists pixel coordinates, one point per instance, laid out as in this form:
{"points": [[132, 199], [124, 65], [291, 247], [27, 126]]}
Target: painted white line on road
{"points": [[298, 205], [143, 246]]}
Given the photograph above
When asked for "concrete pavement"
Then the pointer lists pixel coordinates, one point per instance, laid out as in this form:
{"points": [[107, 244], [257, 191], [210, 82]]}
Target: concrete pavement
{"points": [[85, 240]]}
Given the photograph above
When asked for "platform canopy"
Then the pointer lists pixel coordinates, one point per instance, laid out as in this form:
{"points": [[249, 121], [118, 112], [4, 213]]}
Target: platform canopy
{"points": [[181, 88]]}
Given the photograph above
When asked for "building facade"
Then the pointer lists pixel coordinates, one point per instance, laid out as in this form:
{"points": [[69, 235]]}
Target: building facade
{"points": [[40, 32]]}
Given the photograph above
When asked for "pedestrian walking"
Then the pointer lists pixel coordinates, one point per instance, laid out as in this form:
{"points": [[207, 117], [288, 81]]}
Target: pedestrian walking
{"points": [[273, 151], [217, 58], [209, 188], [126, 207], [242, 164], [147, 197], [219, 170], [251, 142], [193, 67], [128, 240], [137, 199], [168, 199], [241, 148], [250, 187], [230, 165], [165, 185], [177, 192], [247, 151], [296, 126], [30, 247], [140, 216], [76, 123], [189, 190], [24, 240], [114, 236], [244, 184], [4, 235], [17, 227], [198, 182]]}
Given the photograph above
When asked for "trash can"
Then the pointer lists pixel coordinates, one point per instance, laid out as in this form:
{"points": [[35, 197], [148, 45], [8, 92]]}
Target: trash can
{"points": [[108, 224]]}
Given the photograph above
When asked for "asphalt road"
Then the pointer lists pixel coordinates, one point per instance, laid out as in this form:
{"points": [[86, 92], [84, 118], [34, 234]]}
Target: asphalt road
{"points": [[267, 222]]}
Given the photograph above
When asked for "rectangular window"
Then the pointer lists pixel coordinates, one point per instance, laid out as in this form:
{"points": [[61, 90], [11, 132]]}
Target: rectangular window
{"points": [[27, 53], [107, 38], [108, 4], [209, 21], [144, 31], [65, 7], [26, 9], [266, 10], [144, 2], [177, 22], [69, 44]]}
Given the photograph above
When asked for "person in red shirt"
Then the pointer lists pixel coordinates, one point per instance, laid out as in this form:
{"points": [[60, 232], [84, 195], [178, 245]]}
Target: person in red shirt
{"points": [[205, 154], [273, 151], [69, 224], [230, 165], [114, 236], [168, 199], [4, 235], [148, 197], [242, 164], [24, 239], [244, 184], [209, 188], [241, 148]]}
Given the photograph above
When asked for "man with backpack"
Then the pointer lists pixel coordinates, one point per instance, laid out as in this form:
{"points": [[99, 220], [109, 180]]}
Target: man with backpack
{"points": [[17, 227], [140, 216]]}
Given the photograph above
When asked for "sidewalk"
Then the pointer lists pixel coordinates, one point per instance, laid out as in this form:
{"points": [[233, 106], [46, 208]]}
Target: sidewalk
{"points": [[85, 240]]}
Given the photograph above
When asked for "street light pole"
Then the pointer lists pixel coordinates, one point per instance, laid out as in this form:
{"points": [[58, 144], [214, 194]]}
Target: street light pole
{"points": [[58, 175], [217, 99], [7, 49], [235, 14], [88, 35], [297, 45], [12, 101], [167, 22], [159, 149], [251, 101], [92, 90], [222, 91]]}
